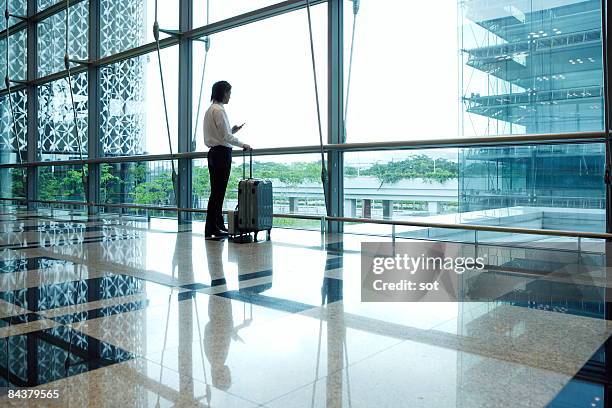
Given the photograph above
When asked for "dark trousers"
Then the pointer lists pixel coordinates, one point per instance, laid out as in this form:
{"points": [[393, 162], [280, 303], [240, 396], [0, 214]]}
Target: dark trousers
{"points": [[219, 168]]}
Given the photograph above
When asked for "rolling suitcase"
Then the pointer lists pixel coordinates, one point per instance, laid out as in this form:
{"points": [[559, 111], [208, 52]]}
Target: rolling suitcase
{"points": [[254, 202]]}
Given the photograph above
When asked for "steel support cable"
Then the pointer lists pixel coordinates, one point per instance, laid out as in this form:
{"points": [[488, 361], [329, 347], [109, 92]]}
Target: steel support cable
{"points": [[74, 110], [324, 178], [206, 48], [356, 4], [7, 81], [163, 86]]}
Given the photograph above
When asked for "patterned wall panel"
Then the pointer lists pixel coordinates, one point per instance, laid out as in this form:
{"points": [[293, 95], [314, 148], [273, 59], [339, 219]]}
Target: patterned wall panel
{"points": [[123, 25], [17, 57], [43, 4], [9, 142], [56, 133], [17, 7], [52, 41], [122, 85], [122, 93]]}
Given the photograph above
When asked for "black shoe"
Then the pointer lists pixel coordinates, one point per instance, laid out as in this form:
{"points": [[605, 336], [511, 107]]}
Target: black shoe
{"points": [[216, 234]]}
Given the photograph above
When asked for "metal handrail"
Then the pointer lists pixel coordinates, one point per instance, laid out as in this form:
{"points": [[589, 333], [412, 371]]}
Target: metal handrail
{"points": [[489, 141], [471, 227], [143, 207]]}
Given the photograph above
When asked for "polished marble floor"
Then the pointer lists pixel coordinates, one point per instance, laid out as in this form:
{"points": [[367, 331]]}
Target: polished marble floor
{"points": [[114, 311]]}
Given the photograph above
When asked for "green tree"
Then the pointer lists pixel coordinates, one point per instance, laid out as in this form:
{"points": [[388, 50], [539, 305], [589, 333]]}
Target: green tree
{"points": [[201, 181], [18, 188], [108, 181], [157, 191], [418, 166], [58, 184], [138, 173]]}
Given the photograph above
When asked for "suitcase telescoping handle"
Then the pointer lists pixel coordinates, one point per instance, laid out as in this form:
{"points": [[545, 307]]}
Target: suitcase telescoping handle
{"points": [[250, 164]]}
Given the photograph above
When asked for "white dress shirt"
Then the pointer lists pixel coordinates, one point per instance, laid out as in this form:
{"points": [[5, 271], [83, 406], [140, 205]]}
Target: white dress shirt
{"points": [[217, 129]]}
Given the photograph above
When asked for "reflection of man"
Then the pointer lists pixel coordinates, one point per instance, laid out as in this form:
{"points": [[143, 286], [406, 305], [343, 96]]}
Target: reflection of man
{"points": [[214, 259], [220, 327], [220, 330], [217, 338]]}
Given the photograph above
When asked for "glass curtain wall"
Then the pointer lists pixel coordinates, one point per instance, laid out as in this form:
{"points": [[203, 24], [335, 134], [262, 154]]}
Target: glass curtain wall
{"points": [[271, 77], [530, 68], [128, 24], [132, 107], [488, 69]]}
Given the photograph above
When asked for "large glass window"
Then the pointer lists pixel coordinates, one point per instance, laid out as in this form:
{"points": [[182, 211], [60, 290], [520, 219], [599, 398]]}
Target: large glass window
{"points": [[269, 66], [132, 117], [57, 136], [551, 187], [12, 183], [144, 183], [556, 177], [296, 181], [12, 145], [129, 24], [531, 67], [63, 183], [52, 39], [403, 82], [525, 67], [514, 67], [220, 9], [17, 65], [16, 7], [44, 4]]}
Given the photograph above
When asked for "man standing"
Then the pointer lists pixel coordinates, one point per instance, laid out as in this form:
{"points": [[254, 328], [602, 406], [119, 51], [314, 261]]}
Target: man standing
{"points": [[219, 137]]}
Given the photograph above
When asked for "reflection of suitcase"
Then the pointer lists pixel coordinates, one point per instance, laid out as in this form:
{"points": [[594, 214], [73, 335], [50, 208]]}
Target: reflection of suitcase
{"points": [[254, 202]]}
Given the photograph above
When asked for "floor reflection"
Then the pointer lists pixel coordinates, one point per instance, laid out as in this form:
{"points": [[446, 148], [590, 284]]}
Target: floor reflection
{"points": [[282, 324], [49, 355]]}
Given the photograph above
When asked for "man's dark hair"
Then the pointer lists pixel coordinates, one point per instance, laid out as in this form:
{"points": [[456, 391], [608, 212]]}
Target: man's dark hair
{"points": [[218, 91]]}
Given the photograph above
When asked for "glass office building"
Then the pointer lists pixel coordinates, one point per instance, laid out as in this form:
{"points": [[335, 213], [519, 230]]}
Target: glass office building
{"points": [[533, 67]]}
